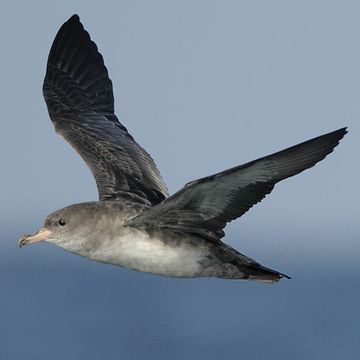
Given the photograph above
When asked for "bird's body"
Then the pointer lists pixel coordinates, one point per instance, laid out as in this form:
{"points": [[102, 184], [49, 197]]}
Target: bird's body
{"points": [[105, 234], [136, 224], [115, 242]]}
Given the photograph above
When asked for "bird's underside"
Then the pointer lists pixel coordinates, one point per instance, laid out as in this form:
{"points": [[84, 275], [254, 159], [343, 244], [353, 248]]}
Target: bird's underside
{"points": [[178, 235]]}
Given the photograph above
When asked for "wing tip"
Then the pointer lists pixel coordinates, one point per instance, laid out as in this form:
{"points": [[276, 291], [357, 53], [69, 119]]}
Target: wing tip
{"points": [[340, 133], [334, 138], [72, 23], [74, 19]]}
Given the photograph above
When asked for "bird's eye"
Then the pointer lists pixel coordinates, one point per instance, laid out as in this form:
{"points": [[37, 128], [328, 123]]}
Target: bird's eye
{"points": [[61, 222]]}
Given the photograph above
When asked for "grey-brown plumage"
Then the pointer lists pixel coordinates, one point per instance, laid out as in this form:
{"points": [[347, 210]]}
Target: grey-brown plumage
{"points": [[204, 206], [79, 97], [135, 224]]}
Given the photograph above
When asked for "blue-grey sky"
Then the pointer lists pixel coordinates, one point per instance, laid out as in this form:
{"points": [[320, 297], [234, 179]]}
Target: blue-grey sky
{"points": [[203, 86]]}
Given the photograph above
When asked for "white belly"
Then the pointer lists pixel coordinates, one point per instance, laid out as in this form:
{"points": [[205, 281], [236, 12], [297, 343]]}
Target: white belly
{"points": [[138, 251]]}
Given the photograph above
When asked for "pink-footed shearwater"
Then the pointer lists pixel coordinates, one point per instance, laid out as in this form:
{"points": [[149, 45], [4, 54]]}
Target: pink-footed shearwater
{"points": [[135, 223]]}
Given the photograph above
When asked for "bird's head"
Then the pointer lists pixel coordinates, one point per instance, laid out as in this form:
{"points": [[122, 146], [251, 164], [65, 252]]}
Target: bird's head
{"points": [[60, 226]]}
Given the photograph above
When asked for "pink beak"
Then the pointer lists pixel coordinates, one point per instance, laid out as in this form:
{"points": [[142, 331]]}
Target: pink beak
{"points": [[41, 235]]}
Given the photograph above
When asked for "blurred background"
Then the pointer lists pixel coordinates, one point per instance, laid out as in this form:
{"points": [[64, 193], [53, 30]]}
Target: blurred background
{"points": [[203, 86]]}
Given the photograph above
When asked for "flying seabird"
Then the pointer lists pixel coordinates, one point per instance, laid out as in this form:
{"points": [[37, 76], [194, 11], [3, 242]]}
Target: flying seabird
{"points": [[135, 223]]}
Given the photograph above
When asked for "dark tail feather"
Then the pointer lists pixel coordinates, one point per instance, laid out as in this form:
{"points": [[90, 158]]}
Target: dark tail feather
{"points": [[263, 274]]}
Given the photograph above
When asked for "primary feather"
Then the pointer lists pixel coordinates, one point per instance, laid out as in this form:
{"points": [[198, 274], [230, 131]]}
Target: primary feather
{"points": [[80, 101], [204, 206]]}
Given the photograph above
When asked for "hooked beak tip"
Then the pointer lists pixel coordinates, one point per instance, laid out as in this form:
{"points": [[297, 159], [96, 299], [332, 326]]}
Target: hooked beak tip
{"points": [[41, 235], [22, 241]]}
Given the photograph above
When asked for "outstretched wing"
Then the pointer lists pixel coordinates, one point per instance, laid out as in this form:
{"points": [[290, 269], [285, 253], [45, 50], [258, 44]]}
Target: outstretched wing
{"points": [[80, 101], [204, 206]]}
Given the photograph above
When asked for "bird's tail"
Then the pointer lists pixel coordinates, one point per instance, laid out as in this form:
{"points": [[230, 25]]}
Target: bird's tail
{"points": [[248, 268], [260, 273]]}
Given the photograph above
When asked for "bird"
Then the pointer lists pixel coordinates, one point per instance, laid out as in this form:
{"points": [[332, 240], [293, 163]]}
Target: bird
{"points": [[135, 223]]}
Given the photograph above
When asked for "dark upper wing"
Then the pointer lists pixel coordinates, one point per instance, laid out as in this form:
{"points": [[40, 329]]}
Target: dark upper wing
{"points": [[205, 206], [80, 101]]}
